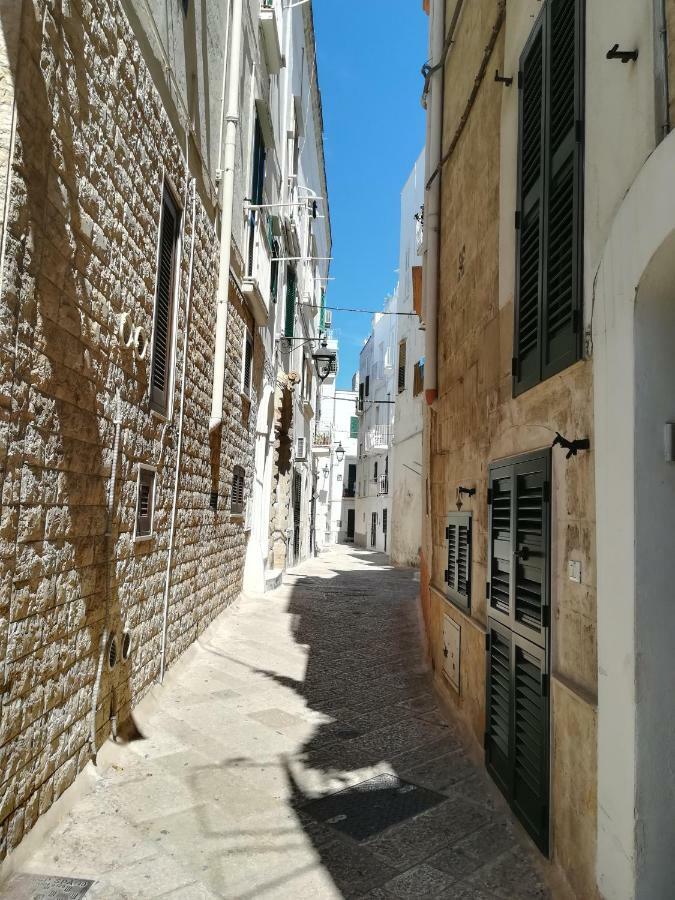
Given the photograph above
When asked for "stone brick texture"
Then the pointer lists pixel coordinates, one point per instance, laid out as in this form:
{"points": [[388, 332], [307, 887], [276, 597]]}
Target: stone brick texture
{"points": [[92, 147], [476, 421]]}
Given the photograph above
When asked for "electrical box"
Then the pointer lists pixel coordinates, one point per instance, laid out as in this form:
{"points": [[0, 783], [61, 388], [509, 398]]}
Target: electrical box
{"points": [[451, 651]]}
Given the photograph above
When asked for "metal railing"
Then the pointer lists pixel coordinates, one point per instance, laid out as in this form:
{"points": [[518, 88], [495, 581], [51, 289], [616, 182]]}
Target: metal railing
{"points": [[323, 437], [379, 438], [259, 263], [382, 485]]}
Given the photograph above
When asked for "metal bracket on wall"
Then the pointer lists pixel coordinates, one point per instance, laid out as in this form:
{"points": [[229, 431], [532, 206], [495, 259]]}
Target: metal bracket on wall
{"points": [[502, 79], [625, 56]]}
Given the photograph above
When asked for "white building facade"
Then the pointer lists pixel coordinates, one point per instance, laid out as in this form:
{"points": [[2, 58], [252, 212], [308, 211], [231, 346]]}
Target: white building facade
{"points": [[405, 481]]}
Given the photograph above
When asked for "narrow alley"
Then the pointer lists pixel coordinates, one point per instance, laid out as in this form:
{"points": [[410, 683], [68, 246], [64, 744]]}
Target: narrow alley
{"points": [[317, 690]]}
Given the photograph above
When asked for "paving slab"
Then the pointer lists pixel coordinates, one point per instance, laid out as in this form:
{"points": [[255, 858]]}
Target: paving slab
{"points": [[286, 700]]}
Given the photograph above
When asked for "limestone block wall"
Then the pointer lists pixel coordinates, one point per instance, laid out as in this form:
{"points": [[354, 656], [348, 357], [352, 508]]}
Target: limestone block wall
{"points": [[93, 146], [475, 422]]}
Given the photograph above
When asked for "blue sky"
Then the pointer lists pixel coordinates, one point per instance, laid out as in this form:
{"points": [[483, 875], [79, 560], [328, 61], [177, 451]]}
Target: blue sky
{"points": [[369, 55]]}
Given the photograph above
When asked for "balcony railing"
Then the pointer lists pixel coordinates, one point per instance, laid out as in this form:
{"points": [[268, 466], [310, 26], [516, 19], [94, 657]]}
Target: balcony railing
{"points": [[257, 282], [382, 485], [323, 436], [349, 492], [379, 439]]}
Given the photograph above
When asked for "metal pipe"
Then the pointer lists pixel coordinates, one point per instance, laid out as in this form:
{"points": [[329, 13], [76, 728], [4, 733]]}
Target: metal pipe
{"points": [[661, 81], [232, 120], [179, 451], [433, 196]]}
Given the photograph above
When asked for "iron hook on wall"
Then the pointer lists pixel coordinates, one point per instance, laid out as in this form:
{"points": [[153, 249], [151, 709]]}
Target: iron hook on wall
{"points": [[573, 447], [470, 492], [625, 56], [502, 79]]}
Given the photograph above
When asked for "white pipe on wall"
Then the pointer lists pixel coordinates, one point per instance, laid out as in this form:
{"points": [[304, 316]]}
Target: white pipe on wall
{"points": [[232, 122]]}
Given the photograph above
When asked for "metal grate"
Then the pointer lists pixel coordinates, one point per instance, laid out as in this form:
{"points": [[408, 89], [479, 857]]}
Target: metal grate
{"points": [[45, 887], [372, 806]]}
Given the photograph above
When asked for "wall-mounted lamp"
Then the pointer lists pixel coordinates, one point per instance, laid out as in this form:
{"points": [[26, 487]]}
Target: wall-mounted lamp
{"points": [[326, 471], [340, 452], [325, 362]]}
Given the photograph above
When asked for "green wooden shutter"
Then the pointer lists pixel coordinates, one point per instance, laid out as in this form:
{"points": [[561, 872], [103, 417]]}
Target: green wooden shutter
{"points": [[458, 573], [529, 218], [162, 338], [562, 273], [498, 755], [354, 427], [531, 548], [322, 316], [290, 304], [501, 549]]}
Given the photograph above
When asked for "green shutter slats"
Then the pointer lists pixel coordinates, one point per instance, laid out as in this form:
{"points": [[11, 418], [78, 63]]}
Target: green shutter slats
{"points": [[500, 537], [499, 706], [548, 281], [530, 547], [458, 573], [290, 304]]}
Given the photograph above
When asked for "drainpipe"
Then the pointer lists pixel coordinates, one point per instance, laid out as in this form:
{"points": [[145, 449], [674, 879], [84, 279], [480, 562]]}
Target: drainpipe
{"points": [[232, 121], [439, 46], [661, 71], [179, 451]]}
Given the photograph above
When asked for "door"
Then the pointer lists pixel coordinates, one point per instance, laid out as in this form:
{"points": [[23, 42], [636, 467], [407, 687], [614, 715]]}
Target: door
{"points": [[373, 530], [351, 481], [297, 506], [257, 182], [517, 706], [384, 528], [351, 524]]}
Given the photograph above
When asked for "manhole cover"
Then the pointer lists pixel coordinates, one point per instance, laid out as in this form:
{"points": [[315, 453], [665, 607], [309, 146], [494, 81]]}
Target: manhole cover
{"points": [[372, 806], [46, 887]]}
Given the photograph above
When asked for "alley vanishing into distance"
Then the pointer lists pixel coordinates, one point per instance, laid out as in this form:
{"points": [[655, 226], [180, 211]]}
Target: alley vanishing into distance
{"points": [[318, 689]]}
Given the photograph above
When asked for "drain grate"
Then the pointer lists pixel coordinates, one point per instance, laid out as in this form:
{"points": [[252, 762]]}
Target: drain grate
{"points": [[45, 887], [372, 806]]}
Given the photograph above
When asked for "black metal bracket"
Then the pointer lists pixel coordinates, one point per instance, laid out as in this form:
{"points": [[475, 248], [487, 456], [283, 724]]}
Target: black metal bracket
{"points": [[573, 447], [625, 56], [470, 492], [502, 79]]}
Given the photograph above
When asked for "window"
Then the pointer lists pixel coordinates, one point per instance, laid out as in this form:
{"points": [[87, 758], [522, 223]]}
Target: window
{"points": [[300, 450], [402, 347], [547, 336], [289, 330], [374, 471], [237, 498], [385, 513], [367, 385], [257, 182], [418, 378], [162, 328], [274, 270], [247, 365], [145, 502], [359, 405], [353, 427], [517, 715], [458, 573], [417, 289]]}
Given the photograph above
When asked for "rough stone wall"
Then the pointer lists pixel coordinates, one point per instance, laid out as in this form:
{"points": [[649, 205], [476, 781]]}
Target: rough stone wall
{"points": [[92, 144], [475, 421]]}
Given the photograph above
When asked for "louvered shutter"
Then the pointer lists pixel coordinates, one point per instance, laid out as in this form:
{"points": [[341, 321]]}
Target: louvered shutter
{"points": [[498, 755], [248, 360], [528, 304], [530, 739], [160, 374], [500, 543], [402, 354], [531, 548], [237, 499], [562, 273], [458, 573], [290, 304]]}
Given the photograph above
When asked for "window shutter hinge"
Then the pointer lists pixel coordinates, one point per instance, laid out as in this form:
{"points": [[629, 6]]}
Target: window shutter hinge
{"points": [[544, 684], [487, 641], [517, 220], [579, 131], [489, 496]]}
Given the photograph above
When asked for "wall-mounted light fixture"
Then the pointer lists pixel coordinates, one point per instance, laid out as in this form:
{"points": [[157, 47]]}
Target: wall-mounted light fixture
{"points": [[340, 452]]}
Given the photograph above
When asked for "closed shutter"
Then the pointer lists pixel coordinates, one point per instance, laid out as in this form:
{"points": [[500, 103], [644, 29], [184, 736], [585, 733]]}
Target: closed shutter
{"points": [[516, 740], [290, 304], [549, 218], [237, 499], [353, 427], [248, 361], [362, 388], [564, 164], [519, 497], [402, 353], [160, 374], [530, 214], [322, 315], [367, 385], [458, 573]]}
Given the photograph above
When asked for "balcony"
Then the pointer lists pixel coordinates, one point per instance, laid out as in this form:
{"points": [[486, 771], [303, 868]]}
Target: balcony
{"points": [[382, 485], [270, 20], [379, 439], [349, 492], [323, 437], [256, 285]]}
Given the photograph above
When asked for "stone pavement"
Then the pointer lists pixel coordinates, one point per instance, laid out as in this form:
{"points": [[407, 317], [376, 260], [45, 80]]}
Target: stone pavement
{"points": [[314, 689]]}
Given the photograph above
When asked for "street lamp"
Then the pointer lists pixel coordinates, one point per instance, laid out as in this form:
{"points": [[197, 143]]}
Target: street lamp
{"points": [[340, 452], [326, 471], [325, 361]]}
